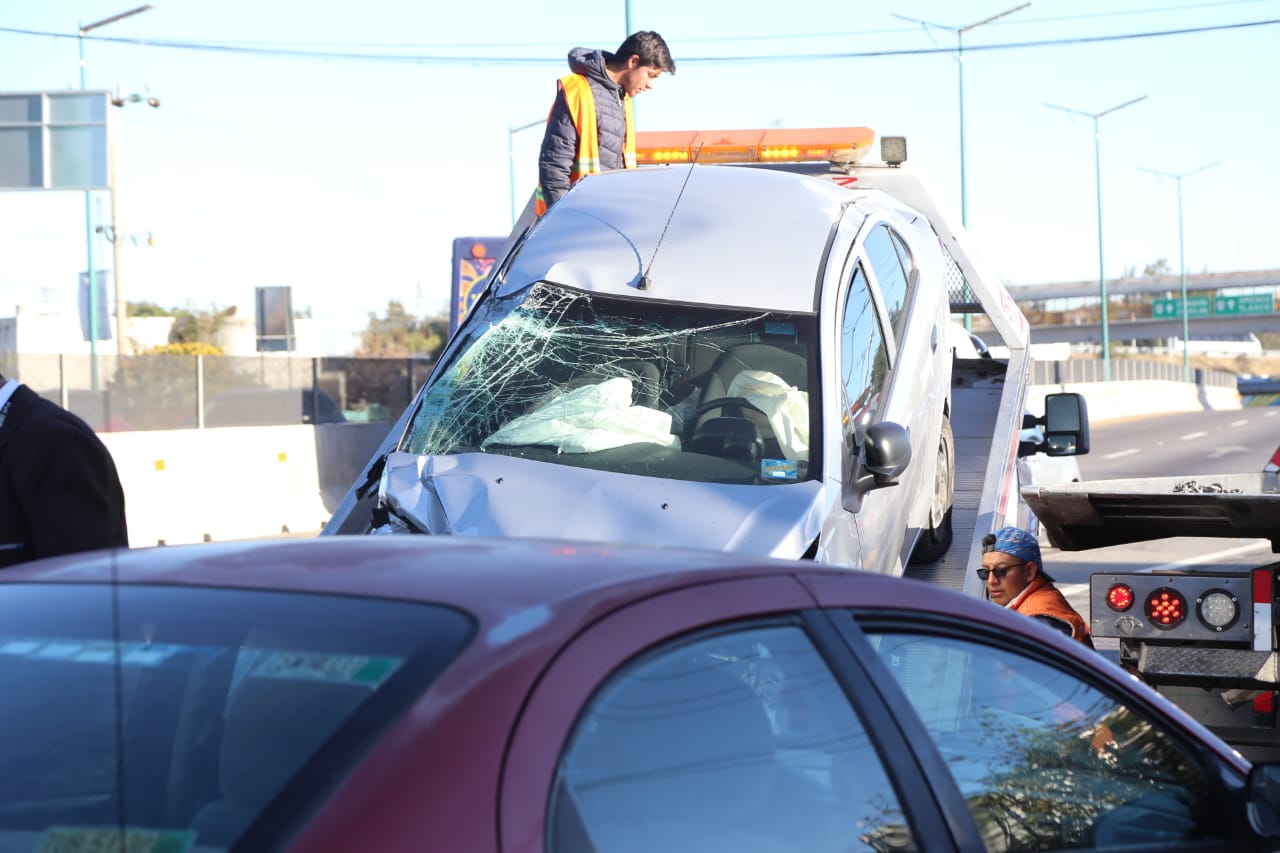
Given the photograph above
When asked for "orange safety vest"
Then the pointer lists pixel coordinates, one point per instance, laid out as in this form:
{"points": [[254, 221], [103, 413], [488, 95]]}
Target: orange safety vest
{"points": [[582, 108]]}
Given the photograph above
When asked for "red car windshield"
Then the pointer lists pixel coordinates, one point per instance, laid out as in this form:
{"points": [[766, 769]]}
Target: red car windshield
{"points": [[193, 720]]}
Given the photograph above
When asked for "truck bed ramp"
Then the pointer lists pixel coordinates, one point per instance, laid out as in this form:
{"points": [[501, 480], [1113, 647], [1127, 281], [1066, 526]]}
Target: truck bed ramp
{"points": [[1095, 514]]}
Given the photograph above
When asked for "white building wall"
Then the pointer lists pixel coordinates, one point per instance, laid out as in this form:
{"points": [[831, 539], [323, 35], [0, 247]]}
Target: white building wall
{"points": [[29, 333]]}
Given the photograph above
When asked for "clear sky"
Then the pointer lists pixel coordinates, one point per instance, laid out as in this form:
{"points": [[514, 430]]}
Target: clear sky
{"points": [[339, 147]]}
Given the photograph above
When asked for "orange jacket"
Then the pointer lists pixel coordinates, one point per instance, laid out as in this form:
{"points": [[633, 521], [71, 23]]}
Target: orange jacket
{"points": [[1042, 600], [582, 107]]}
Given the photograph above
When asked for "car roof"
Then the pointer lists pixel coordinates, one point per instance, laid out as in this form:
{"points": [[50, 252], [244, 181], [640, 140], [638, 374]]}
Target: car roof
{"points": [[542, 591], [493, 579], [712, 235]]}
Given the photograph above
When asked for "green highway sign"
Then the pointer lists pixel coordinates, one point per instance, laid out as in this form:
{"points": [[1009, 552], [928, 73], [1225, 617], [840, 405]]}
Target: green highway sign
{"points": [[1249, 303], [1163, 309]]}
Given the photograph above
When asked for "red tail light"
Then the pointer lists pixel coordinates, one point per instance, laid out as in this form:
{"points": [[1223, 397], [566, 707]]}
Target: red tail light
{"points": [[1120, 597], [1264, 703], [1166, 608]]}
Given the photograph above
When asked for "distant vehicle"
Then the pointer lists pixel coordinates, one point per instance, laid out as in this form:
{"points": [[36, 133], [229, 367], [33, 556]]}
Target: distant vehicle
{"points": [[743, 350], [462, 694]]}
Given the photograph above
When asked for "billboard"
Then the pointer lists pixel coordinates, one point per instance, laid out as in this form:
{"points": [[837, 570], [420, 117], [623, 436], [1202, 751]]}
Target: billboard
{"points": [[473, 259]]}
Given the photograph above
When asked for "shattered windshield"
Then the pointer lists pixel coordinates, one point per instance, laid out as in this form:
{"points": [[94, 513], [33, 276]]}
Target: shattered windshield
{"points": [[685, 392]]}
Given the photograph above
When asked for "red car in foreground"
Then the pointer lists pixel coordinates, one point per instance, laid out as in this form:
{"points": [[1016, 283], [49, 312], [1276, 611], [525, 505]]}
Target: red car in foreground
{"points": [[457, 694]]}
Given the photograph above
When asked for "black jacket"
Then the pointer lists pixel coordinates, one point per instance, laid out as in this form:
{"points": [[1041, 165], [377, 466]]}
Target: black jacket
{"points": [[59, 490], [560, 144]]}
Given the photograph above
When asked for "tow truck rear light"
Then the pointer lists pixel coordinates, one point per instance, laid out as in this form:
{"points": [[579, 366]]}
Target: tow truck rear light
{"points": [[1166, 608], [1120, 597], [818, 144], [1264, 703], [1217, 609]]}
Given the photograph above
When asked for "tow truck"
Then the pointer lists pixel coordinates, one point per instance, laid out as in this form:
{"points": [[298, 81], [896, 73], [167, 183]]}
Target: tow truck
{"points": [[742, 345], [1206, 638]]}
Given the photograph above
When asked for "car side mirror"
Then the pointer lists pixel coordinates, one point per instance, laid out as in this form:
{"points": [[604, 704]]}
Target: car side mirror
{"points": [[1066, 425], [886, 454], [1263, 799]]}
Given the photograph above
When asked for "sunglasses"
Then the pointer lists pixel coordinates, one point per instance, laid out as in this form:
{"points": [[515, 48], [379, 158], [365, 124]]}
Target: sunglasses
{"points": [[983, 574]]}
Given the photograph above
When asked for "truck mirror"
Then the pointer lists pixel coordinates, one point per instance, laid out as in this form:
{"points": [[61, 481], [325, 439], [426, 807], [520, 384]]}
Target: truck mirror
{"points": [[1066, 425], [1263, 798]]}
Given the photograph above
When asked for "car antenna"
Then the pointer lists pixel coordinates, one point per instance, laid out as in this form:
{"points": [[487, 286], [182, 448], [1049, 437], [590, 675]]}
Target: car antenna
{"points": [[644, 276]]}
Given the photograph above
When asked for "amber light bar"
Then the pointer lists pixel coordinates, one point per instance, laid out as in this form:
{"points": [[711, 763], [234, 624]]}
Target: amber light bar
{"points": [[780, 145]]}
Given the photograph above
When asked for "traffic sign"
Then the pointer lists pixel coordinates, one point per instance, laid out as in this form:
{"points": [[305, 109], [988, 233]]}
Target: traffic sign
{"points": [[1249, 303], [1197, 306]]}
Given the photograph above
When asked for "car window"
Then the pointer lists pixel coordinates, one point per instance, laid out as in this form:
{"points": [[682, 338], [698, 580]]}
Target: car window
{"points": [[1044, 760], [186, 711], [864, 360], [892, 265], [740, 741]]}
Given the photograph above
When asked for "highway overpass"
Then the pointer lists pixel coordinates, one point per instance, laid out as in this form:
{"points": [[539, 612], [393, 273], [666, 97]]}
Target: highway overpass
{"points": [[1130, 316]]}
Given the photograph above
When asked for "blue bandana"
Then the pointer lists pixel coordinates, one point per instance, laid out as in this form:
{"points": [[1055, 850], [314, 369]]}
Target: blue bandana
{"points": [[1019, 543]]}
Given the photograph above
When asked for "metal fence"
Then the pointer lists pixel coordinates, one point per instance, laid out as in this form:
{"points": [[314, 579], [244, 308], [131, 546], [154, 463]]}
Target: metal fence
{"points": [[146, 392], [1124, 370]]}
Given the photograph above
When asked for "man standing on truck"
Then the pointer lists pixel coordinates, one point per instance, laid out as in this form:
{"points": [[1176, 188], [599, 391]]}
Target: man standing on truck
{"points": [[1015, 578], [591, 127]]}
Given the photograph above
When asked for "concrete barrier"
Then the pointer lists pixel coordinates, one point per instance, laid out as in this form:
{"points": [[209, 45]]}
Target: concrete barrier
{"points": [[209, 485], [244, 482], [1111, 401]]}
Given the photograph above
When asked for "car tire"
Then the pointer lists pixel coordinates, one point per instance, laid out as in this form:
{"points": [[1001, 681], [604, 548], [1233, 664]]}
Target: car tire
{"points": [[935, 538]]}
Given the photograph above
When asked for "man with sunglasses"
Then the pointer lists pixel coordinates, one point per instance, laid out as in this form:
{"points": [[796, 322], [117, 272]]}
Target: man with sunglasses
{"points": [[1016, 579]]}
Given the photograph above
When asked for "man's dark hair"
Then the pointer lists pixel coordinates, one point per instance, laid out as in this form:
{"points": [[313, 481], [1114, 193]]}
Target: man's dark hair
{"points": [[651, 49]]}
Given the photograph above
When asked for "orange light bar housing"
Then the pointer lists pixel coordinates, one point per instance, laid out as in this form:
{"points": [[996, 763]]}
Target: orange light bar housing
{"points": [[772, 145]]}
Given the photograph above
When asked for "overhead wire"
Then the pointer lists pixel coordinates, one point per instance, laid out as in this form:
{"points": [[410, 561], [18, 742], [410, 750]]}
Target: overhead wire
{"points": [[476, 59]]}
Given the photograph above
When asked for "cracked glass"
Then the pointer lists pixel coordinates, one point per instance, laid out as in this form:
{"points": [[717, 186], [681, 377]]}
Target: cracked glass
{"points": [[552, 374]]}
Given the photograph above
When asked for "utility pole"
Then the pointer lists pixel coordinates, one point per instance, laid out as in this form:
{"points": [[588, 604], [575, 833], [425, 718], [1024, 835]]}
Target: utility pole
{"points": [[1097, 169], [88, 213], [1182, 260]]}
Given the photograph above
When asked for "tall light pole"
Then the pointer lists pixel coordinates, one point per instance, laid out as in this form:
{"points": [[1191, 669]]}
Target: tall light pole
{"points": [[1182, 258], [1097, 168], [122, 306], [960, 31], [88, 214], [511, 161]]}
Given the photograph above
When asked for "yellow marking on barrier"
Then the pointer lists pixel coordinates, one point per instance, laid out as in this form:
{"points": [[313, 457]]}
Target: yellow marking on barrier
{"points": [[282, 456], [159, 464]]}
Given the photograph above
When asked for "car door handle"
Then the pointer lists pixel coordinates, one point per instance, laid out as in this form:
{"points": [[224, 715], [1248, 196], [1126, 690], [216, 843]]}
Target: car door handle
{"points": [[933, 339]]}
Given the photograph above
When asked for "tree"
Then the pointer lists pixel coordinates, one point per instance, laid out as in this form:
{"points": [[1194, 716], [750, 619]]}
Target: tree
{"points": [[191, 325], [148, 309], [401, 334], [1157, 268]]}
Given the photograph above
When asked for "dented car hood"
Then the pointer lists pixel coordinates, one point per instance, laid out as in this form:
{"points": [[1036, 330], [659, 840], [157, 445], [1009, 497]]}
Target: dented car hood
{"points": [[482, 494]]}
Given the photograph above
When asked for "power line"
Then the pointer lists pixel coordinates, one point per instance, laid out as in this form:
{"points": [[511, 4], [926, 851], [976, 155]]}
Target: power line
{"points": [[439, 59]]}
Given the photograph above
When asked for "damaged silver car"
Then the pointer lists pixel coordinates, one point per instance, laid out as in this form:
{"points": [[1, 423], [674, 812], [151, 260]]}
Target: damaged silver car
{"points": [[715, 357]]}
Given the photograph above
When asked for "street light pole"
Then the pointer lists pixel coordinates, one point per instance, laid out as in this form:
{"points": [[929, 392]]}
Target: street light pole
{"points": [[1097, 168], [1182, 259], [960, 31], [511, 161], [88, 215]]}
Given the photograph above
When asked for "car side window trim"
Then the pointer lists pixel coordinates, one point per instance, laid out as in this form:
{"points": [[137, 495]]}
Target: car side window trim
{"points": [[952, 628], [862, 688], [865, 667]]}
